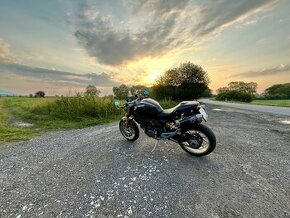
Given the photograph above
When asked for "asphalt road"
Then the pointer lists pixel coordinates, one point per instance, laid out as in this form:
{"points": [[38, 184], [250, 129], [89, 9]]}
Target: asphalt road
{"points": [[259, 108], [95, 172]]}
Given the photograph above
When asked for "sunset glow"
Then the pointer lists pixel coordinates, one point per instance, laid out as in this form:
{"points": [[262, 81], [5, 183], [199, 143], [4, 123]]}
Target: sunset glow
{"points": [[152, 77], [64, 45]]}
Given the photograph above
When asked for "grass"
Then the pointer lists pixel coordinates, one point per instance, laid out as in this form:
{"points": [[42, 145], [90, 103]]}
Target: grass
{"points": [[10, 133], [53, 113], [56, 113], [280, 103]]}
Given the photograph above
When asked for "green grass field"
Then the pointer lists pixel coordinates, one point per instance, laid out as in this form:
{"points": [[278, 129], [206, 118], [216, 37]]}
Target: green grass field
{"points": [[281, 103], [11, 133], [56, 113], [52, 113]]}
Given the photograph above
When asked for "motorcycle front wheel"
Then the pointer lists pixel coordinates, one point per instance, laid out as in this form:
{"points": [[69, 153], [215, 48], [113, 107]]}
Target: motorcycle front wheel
{"points": [[131, 132], [198, 141]]}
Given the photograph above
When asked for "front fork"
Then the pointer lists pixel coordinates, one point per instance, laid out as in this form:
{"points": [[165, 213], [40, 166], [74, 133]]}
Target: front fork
{"points": [[127, 118]]}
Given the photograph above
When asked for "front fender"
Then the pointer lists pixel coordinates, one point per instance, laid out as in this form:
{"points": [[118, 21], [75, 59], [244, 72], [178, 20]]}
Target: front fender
{"points": [[125, 118]]}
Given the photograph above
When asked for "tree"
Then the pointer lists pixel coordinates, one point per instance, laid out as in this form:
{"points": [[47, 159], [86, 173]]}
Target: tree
{"points": [[250, 87], [184, 75], [121, 92], [138, 89], [278, 91], [92, 91], [40, 94], [188, 81], [222, 89], [237, 91]]}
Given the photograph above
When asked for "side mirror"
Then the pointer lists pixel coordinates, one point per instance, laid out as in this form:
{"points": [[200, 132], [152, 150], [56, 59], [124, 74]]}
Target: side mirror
{"points": [[146, 93], [117, 104]]}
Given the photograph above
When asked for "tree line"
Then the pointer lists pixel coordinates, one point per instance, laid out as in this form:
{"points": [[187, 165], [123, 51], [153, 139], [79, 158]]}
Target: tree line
{"points": [[189, 81], [186, 82], [247, 92]]}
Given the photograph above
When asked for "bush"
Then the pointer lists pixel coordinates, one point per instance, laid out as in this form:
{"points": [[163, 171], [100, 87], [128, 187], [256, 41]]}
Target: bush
{"points": [[73, 108], [278, 91], [40, 94], [234, 95]]}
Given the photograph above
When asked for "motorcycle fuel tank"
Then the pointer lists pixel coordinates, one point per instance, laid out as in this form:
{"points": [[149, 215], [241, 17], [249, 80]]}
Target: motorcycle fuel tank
{"points": [[147, 108]]}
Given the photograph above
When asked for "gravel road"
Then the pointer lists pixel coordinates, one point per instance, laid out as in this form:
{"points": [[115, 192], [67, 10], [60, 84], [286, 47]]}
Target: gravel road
{"points": [[95, 172]]}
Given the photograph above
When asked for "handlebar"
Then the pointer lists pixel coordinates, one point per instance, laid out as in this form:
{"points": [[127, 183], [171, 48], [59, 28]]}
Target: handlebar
{"points": [[130, 103], [134, 102]]}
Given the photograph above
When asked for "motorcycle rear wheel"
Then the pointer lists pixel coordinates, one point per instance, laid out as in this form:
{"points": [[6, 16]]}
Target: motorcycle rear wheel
{"points": [[202, 141], [132, 132]]}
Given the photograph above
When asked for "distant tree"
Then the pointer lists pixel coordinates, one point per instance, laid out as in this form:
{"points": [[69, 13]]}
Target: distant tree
{"points": [[250, 87], [222, 89], [40, 94], [237, 91], [188, 81], [30, 95], [278, 91], [138, 89], [121, 92], [92, 91]]}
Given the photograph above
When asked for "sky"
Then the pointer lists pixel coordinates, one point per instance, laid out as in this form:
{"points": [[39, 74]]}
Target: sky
{"points": [[61, 46]]}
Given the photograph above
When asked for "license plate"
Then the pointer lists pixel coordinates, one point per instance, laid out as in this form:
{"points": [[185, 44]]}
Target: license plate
{"points": [[203, 113]]}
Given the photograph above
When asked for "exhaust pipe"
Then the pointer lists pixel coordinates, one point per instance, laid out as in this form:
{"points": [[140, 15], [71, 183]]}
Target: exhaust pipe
{"points": [[188, 121]]}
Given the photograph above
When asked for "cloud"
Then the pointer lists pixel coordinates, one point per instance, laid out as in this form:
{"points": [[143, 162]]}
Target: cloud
{"points": [[266, 72], [127, 30], [112, 44], [6, 55], [220, 14], [55, 77]]}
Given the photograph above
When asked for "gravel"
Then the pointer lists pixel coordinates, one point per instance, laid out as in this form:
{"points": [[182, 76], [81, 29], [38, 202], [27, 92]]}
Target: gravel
{"points": [[95, 172]]}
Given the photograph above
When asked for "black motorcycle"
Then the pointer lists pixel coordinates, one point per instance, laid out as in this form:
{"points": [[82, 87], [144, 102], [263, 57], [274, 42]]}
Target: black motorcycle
{"points": [[181, 124]]}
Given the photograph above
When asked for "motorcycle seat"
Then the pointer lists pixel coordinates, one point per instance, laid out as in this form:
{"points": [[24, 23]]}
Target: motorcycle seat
{"points": [[183, 106]]}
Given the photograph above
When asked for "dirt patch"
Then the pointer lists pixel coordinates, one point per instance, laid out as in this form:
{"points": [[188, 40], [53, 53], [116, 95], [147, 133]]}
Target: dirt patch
{"points": [[20, 124], [12, 121]]}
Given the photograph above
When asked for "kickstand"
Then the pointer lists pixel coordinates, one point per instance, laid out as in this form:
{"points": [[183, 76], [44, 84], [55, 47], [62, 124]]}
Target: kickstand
{"points": [[157, 141]]}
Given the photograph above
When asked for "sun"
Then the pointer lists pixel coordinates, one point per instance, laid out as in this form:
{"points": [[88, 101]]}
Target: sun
{"points": [[152, 77]]}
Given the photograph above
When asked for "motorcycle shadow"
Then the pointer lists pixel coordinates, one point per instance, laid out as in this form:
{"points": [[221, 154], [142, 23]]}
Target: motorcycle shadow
{"points": [[174, 154], [198, 163]]}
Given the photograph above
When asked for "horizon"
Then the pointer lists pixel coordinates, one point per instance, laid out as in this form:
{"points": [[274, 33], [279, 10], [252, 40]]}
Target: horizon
{"points": [[58, 46]]}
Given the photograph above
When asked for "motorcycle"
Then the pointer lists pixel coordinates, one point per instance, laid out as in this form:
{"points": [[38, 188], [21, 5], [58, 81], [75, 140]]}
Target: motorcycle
{"points": [[180, 124]]}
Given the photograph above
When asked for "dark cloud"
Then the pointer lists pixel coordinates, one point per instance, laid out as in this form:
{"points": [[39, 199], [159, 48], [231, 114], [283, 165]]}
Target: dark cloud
{"points": [[112, 46], [266, 72], [154, 27], [57, 78], [221, 13]]}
